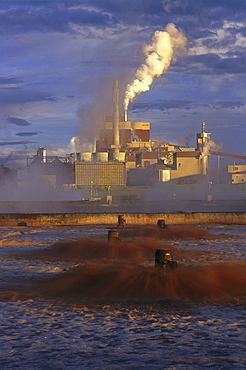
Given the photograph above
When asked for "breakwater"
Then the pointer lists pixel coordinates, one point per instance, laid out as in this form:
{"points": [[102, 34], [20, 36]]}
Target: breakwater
{"points": [[77, 219]]}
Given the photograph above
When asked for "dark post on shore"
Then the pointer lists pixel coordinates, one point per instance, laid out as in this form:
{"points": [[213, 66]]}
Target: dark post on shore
{"points": [[113, 236], [161, 224], [121, 221]]}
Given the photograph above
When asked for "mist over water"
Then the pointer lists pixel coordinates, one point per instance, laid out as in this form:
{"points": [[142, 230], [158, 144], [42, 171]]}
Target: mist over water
{"points": [[221, 282], [171, 232], [123, 269], [69, 298]]}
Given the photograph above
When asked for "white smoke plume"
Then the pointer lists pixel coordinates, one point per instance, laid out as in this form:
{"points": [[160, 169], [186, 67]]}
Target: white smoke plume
{"points": [[159, 56], [210, 145], [78, 145]]}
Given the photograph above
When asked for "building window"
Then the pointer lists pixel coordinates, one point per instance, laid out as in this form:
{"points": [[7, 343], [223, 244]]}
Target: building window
{"points": [[179, 164]]}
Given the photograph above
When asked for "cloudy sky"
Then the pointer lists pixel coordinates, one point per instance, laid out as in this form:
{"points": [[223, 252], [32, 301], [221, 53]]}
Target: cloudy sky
{"points": [[59, 59]]}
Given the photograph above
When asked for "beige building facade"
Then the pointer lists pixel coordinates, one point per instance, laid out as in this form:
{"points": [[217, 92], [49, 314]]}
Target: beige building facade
{"points": [[186, 164], [100, 174]]}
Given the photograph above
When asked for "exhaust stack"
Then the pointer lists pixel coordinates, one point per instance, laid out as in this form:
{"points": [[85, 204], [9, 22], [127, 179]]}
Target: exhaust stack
{"points": [[203, 139], [125, 115], [116, 120]]}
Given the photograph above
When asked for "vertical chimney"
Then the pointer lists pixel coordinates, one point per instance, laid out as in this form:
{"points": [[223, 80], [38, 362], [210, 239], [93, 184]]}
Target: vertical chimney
{"points": [[202, 141], [203, 136], [41, 153], [116, 119], [125, 116]]}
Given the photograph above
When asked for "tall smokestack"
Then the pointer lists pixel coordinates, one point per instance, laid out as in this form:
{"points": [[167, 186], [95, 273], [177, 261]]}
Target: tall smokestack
{"points": [[125, 115], [203, 145], [116, 119], [42, 154], [203, 136]]}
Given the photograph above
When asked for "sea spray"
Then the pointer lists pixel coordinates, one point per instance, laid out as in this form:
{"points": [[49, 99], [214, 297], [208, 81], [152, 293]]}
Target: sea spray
{"points": [[216, 282]]}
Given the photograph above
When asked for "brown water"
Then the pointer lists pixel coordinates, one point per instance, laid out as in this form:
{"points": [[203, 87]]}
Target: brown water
{"points": [[70, 299]]}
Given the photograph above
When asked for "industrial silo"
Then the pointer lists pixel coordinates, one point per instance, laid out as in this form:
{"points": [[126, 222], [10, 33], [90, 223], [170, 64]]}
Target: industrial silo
{"points": [[102, 157], [84, 156], [122, 157]]}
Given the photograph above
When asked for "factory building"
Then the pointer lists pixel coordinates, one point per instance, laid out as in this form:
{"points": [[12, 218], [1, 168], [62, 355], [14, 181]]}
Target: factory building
{"points": [[100, 174], [139, 163], [106, 138], [185, 169], [233, 174], [186, 164], [53, 172], [125, 155], [118, 148], [131, 135], [168, 163]]}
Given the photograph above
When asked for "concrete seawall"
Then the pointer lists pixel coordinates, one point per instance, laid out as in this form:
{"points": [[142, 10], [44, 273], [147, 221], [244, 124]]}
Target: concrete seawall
{"points": [[77, 219]]}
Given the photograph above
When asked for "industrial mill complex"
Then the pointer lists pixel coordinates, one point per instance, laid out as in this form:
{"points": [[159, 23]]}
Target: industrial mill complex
{"points": [[125, 155]]}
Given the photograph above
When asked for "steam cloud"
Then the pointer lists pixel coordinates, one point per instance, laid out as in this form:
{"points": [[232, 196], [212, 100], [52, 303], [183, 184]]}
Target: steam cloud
{"points": [[159, 56], [79, 144], [207, 147]]}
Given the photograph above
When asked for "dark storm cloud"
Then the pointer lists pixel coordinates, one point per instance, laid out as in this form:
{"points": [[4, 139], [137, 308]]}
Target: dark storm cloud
{"points": [[211, 63], [24, 142], [60, 16], [31, 133], [211, 42], [134, 7], [199, 18], [101, 12], [194, 17], [164, 105], [47, 16], [10, 80], [161, 105], [193, 7], [18, 121], [228, 104], [232, 65], [21, 96]]}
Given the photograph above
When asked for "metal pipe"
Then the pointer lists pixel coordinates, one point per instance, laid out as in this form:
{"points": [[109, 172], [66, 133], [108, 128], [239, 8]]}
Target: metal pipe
{"points": [[116, 119], [125, 116]]}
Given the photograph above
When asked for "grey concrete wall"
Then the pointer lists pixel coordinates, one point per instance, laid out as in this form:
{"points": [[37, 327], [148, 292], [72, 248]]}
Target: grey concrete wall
{"points": [[73, 219]]}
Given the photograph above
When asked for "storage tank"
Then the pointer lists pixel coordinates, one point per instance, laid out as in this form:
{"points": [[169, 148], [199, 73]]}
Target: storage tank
{"points": [[122, 157], [102, 157], [84, 156], [42, 154], [164, 175]]}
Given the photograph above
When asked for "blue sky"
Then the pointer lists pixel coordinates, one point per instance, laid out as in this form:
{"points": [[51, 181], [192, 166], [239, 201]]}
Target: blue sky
{"points": [[59, 59]]}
